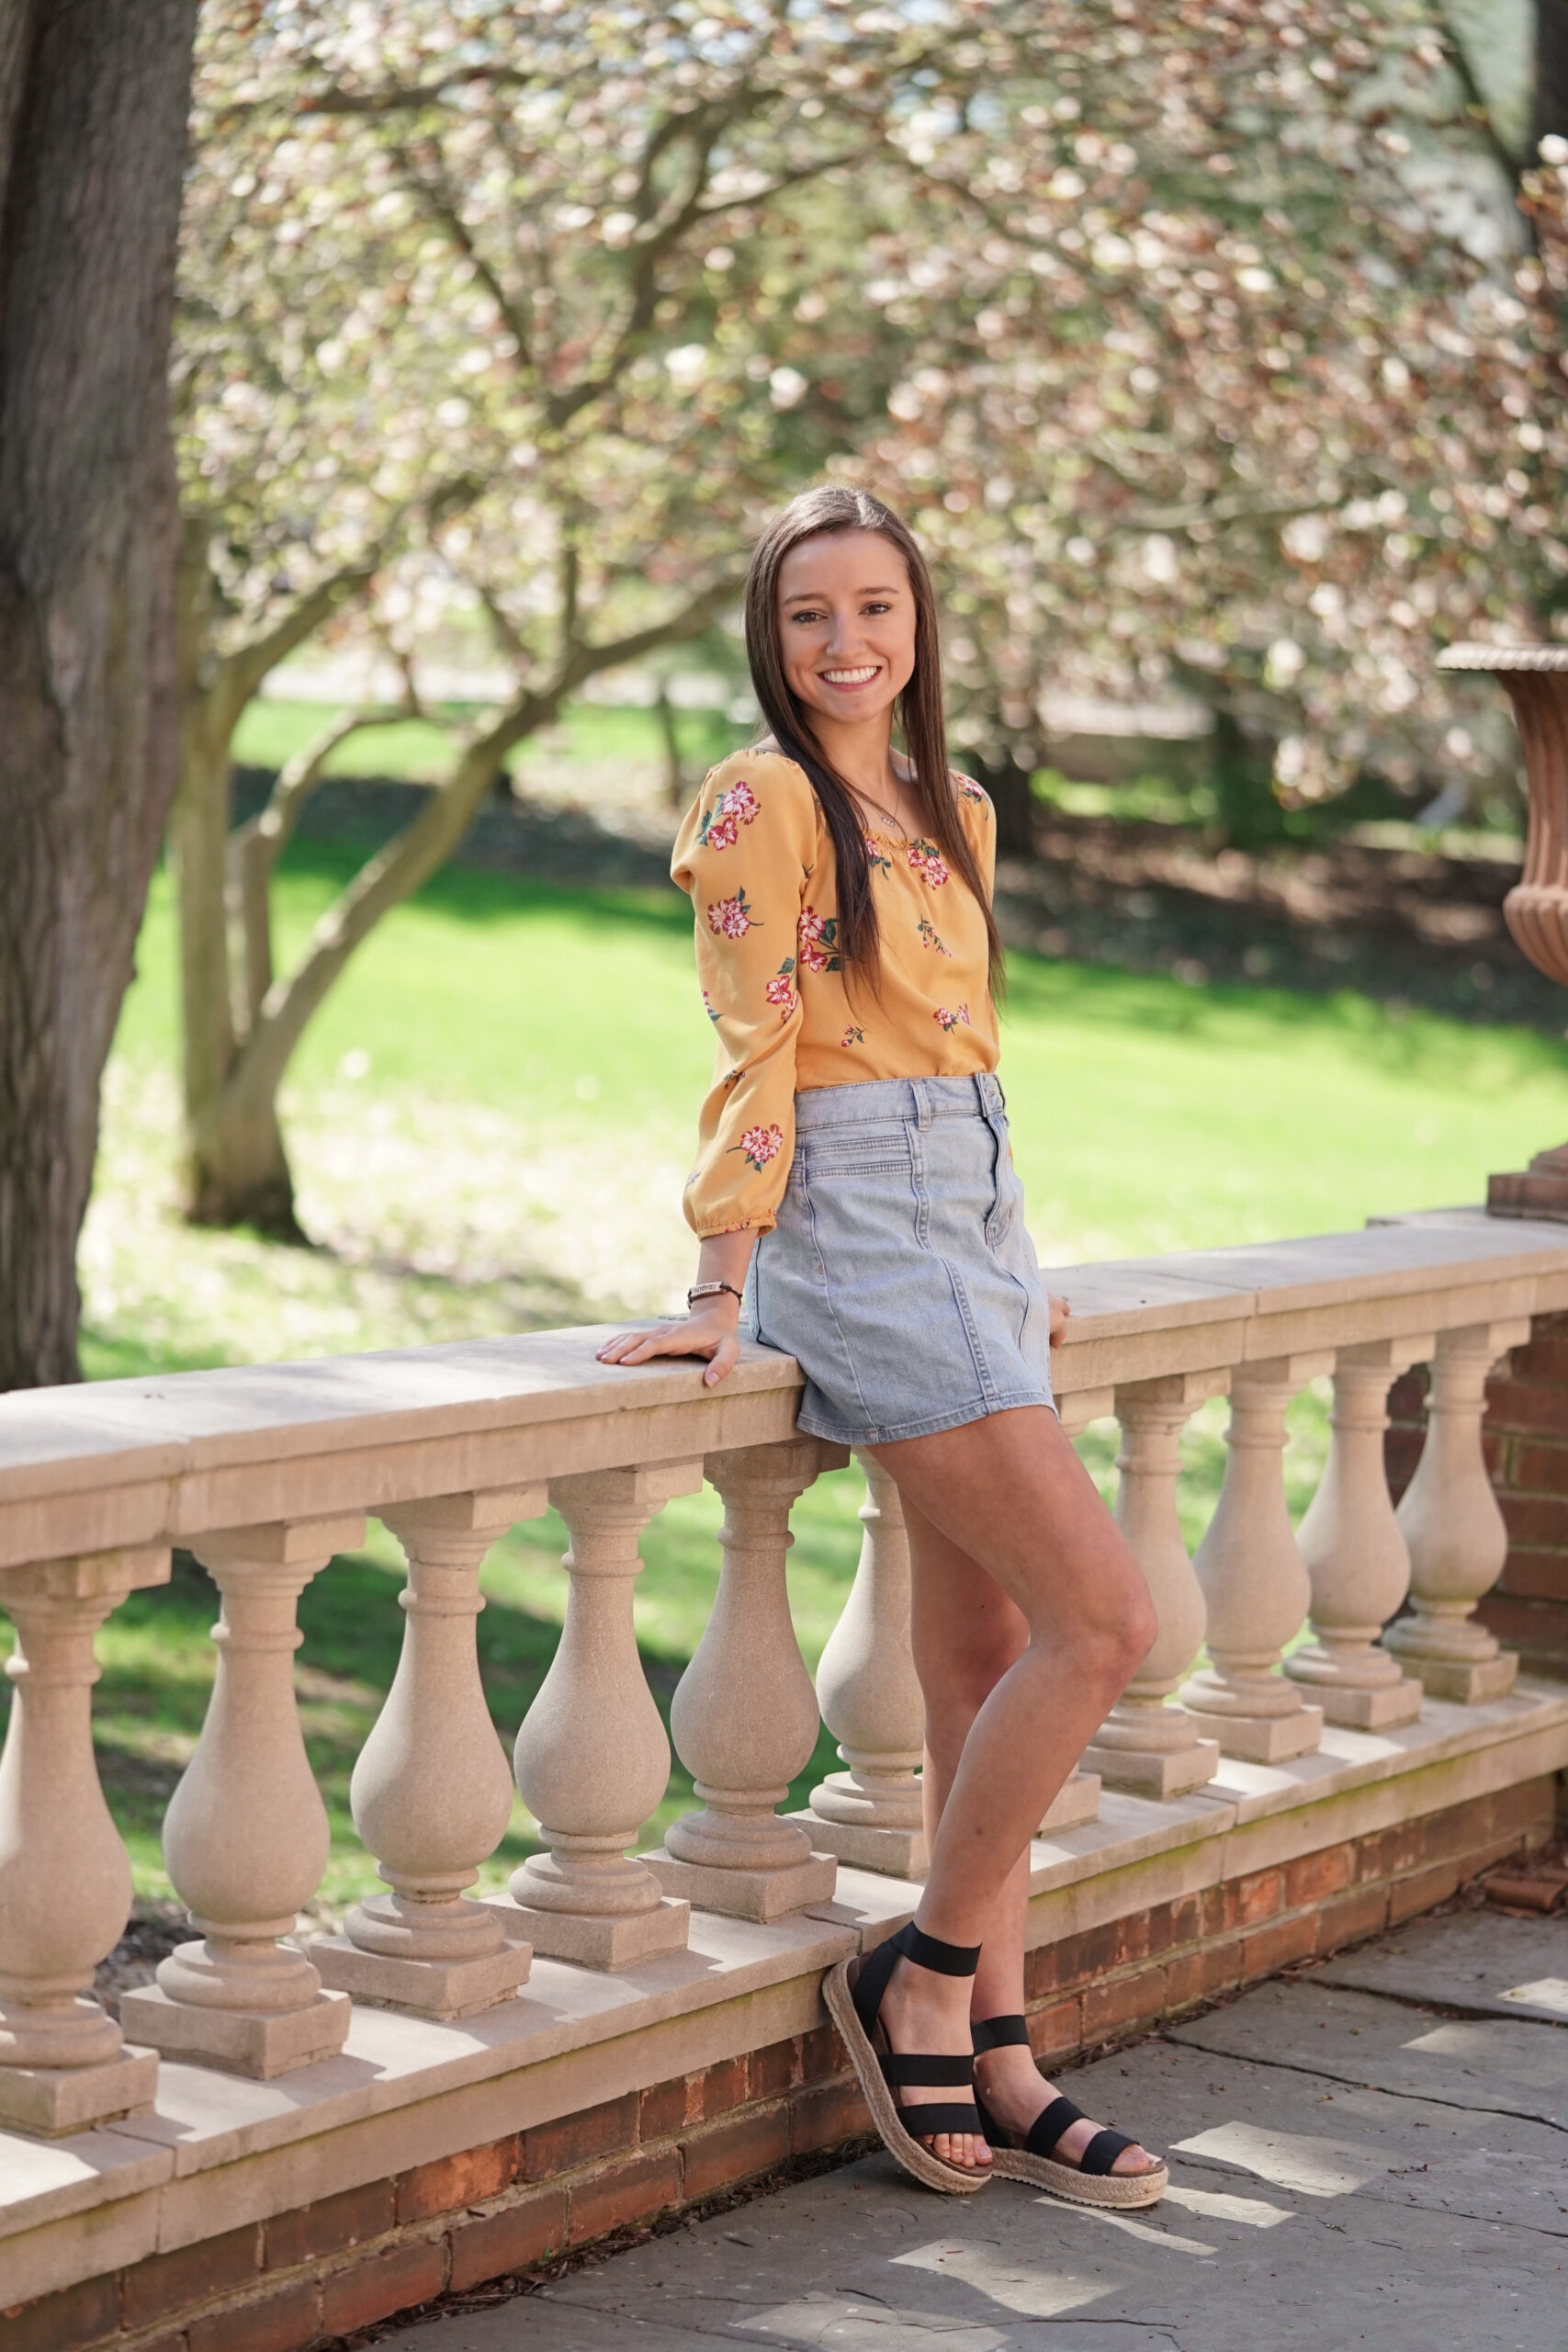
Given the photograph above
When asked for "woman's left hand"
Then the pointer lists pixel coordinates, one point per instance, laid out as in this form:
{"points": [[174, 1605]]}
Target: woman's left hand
{"points": [[1060, 1311]]}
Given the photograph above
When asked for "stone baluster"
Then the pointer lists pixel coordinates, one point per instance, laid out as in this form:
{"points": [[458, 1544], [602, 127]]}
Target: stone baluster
{"points": [[592, 1760], [65, 1887], [432, 1790], [246, 1838], [1254, 1578], [1454, 1529], [1145, 1744], [1355, 1552], [870, 1697], [1077, 1799], [744, 1715]]}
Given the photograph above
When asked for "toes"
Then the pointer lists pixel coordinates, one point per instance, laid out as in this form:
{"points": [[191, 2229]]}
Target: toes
{"points": [[1132, 2161]]}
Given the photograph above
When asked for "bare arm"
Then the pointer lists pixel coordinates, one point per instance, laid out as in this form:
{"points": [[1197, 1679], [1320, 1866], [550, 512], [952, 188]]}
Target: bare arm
{"points": [[711, 1326]]}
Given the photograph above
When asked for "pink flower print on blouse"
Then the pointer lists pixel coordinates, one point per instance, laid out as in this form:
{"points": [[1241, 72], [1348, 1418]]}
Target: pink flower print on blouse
{"points": [[731, 917], [759, 1144], [819, 941], [929, 863], [721, 825], [780, 989], [853, 1036], [707, 1007], [929, 938], [971, 790], [875, 855], [946, 1020]]}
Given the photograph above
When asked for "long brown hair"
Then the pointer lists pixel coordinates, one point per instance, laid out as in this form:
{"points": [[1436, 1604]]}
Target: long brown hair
{"points": [[816, 513]]}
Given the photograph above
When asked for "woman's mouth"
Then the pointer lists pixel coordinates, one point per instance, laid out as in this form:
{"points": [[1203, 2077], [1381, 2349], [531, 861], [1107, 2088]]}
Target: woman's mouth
{"points": [[846, 681]]}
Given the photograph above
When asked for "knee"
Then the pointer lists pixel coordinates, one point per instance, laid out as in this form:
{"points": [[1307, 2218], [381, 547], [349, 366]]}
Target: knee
{"points": [[1131, 1630], [1112, 1641], [958, 1678], [957, 1681]]}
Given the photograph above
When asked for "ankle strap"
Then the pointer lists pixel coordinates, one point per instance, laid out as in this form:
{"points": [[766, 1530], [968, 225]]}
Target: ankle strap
{"points": [[999, 2033], [929, 1951]]}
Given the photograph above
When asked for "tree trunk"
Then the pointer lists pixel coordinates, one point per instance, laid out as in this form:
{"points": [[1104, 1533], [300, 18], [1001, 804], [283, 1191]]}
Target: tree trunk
{"points": [[92, 107], [675, 795], [1550, 113], [1007, 779], [1243, 775]]}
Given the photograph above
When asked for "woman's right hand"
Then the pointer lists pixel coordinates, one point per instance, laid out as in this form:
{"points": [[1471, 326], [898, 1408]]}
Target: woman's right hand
{"points": [[711, 1329]]}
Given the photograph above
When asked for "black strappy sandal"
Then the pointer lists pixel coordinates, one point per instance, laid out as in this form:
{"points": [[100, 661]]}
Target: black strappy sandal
{"points": [[1090, 2180], [853, 1991]]}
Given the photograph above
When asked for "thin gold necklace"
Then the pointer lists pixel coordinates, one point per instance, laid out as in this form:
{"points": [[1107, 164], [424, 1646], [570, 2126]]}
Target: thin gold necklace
{"points": [[891, 814]]}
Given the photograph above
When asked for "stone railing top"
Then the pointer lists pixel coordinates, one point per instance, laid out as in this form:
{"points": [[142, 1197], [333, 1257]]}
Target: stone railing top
{"points": [[1503, 657], [146, 1461]]}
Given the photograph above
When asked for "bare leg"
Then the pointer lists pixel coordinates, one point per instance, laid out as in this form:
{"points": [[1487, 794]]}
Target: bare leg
{"points": [[1009, 1716], [966, 1634]]}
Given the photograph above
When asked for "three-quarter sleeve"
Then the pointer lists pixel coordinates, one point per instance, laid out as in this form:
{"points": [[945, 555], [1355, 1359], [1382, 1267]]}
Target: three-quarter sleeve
{"points": [[743, 855]]}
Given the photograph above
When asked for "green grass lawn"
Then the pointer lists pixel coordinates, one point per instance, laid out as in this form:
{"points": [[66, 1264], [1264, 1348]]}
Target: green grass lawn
{"points": [[491, 1119], [275, 727]]}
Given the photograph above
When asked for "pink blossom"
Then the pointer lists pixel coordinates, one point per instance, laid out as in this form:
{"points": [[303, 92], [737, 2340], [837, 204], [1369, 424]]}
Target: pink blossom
{"points": [[727, 918], [761, 1144], [817, 934], [723, 833], [780, 990], [739, 802]]}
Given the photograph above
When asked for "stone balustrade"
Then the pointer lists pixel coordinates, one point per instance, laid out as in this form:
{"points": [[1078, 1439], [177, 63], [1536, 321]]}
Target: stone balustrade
{"points": [[265, 1473]]}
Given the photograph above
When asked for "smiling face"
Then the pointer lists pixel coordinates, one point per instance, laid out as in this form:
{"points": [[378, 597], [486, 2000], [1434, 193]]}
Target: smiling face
{"points": [[846, 615]]}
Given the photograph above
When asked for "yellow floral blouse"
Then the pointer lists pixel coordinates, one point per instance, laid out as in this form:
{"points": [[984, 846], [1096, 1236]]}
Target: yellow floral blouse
{"points": [[756, 859]]}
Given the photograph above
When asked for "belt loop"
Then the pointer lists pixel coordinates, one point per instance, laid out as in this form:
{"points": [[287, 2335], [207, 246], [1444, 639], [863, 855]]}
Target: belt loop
{"points": [[922, 1103]]}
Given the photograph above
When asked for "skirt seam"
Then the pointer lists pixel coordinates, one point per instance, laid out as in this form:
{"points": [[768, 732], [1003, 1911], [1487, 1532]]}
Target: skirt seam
{"points": [[828, 1298]]}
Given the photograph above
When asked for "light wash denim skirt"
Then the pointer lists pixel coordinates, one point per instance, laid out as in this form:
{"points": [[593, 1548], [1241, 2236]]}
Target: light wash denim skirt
{"points": [[899, 1274]]}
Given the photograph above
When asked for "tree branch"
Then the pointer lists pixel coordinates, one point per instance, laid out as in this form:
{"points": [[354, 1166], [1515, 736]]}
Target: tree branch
{"points": [[254, 849], [425, 844]]}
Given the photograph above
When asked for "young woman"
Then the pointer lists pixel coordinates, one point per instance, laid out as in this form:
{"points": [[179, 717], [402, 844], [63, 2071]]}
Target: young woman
{"points": [[854, 1191]]}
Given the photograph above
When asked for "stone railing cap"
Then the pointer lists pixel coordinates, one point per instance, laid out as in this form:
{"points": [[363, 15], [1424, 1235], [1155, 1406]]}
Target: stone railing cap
{"points": [[1503, 657]]}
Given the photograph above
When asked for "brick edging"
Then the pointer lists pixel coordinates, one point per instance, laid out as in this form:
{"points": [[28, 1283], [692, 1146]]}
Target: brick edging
{"points": [[321, 2271]]}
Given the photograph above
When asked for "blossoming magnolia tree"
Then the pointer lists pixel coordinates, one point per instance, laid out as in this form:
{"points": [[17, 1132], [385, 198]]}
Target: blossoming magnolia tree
{"points": [[515, 324], [1207, 383], [512, 320]]}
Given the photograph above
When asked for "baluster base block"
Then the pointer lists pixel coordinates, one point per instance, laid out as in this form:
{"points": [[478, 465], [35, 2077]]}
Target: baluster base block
{"points": [[49, 2102], [1150, 1773], [761, 1895], [1076, 1802], [1262, 1739], [1376, 1706], [436, 1988], [895, 1853], [260, 2044], [1470, 1684], [604, 1943]]}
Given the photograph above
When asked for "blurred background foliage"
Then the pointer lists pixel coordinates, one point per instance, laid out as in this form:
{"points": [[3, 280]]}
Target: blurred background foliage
{"points": [[1213, 349]]}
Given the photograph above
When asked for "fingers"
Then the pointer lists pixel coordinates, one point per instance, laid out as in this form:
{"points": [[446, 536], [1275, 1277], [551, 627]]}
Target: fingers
{"points": [[664, 1340], [726, 1356]]}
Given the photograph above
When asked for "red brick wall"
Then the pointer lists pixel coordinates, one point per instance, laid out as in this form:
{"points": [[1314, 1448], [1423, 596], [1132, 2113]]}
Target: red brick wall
{"points": [[1526, 1437], [311, 2276]]}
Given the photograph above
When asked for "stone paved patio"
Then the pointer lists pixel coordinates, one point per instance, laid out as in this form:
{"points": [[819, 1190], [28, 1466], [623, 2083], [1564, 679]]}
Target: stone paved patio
{"points": [[1371, 2151]]}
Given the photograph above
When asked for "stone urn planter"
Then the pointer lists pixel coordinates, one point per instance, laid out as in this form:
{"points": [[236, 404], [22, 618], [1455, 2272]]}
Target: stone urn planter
{"points": [[1536, 909]]}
